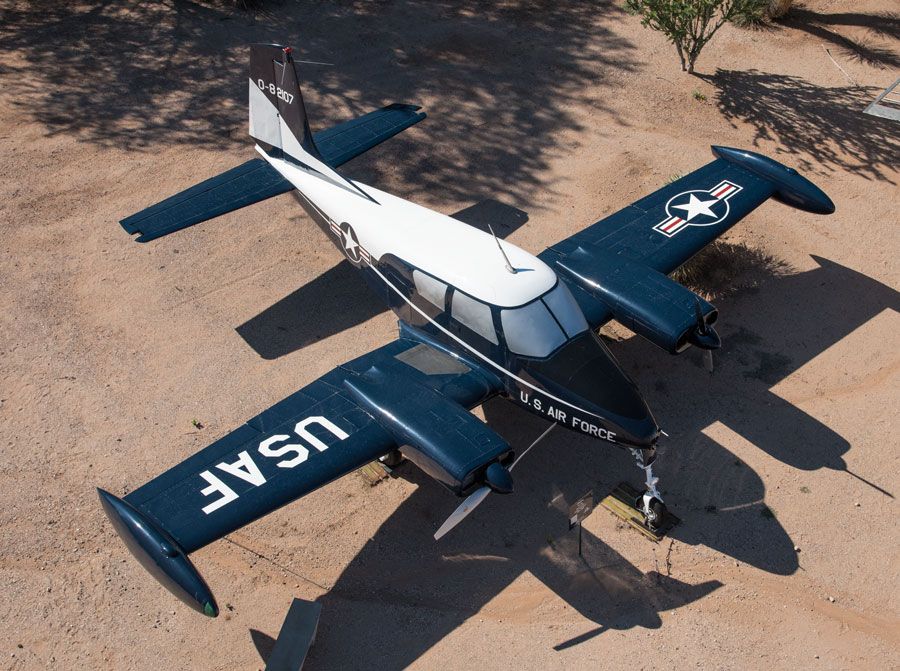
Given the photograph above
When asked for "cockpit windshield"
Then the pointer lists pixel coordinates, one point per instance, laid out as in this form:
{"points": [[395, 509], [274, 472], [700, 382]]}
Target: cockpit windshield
{"points": [[542, 326], [566, 310]]}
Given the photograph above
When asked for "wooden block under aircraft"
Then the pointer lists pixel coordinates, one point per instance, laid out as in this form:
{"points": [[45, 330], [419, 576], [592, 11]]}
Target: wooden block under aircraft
{"points": [[620, 502]]}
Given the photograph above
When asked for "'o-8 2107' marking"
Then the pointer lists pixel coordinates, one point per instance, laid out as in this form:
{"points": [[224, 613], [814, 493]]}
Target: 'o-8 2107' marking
{"points": [[276, 91], [245, 467]]}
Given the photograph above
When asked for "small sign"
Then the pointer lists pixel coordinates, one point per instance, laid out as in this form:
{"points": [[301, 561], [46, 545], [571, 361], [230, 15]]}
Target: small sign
{"points": [[297, 635], [581, 509]]}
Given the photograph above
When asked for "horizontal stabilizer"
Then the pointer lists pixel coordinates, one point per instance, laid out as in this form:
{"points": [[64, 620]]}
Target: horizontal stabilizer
{"points": [[248, 183], [256, 180], [349, 139]]}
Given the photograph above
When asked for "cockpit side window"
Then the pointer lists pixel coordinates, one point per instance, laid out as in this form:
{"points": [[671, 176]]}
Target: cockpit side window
{"points": [[432, 290], [531, 330], [566, 310], [473, 314]]}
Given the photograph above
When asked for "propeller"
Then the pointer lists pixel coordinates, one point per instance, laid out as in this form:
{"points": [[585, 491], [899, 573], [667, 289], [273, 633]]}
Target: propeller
{"points": [[495, 481]]}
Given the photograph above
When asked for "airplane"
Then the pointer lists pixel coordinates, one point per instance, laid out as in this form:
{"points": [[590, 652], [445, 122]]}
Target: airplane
{"points": [[478, 318]]}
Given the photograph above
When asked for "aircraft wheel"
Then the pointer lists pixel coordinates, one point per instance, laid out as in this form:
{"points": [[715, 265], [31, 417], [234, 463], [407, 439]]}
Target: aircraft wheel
{"points": [[655, 514], [393, 459]]}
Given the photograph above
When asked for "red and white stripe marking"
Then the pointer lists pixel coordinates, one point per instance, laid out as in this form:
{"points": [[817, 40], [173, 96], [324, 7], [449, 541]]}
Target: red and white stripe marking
{"points": [[670, 226], [724, 190]]}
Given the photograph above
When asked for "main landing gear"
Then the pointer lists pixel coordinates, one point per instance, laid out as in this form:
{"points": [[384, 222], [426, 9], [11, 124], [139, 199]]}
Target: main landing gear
{"points": [[650, 503]]}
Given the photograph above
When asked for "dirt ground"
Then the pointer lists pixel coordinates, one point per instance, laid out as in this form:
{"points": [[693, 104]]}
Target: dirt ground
{"points": [[542, 117]]}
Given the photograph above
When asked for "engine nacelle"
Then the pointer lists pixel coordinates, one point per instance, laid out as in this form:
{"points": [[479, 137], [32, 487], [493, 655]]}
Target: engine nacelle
{"points": [[441, 437], [644, 300]]}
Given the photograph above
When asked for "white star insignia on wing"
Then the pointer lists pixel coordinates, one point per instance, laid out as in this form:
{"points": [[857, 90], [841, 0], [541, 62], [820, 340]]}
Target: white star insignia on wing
{"points": [[696, 206]]}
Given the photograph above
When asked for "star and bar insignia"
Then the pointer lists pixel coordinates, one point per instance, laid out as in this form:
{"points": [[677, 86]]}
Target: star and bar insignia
{"points": [[697, 208]]}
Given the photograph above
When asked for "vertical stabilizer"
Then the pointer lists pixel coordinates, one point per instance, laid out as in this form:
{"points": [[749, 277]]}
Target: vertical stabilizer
{"points": [[264, 117], [277, 113], [278, 118]]}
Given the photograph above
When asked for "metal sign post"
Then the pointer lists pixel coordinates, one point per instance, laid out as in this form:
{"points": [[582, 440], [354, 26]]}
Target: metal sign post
{"points": [[579, 511]]}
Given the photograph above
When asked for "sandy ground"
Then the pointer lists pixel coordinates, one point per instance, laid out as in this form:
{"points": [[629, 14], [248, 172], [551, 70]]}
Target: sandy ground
{"points": [[782, 463]]}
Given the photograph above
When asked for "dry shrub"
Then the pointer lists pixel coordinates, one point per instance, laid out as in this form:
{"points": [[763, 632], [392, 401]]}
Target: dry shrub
{"points": [[723, 268], [778, 8]]}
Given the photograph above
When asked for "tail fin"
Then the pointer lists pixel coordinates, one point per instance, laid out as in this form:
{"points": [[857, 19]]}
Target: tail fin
{"points": [[277, 113], [278, 116]]}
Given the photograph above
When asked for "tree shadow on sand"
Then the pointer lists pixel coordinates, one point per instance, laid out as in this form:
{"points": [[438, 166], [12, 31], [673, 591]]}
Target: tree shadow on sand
{"points": [[824, 128], [499, 79], [879, 25]]}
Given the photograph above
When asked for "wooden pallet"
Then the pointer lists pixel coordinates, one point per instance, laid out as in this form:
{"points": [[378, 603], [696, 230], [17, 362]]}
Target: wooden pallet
{"points": [[374, 472], [620, 502]]}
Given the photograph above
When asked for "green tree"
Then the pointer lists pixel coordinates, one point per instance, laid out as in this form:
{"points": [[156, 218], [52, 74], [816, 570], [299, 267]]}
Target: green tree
{"points": [[690, 24]]}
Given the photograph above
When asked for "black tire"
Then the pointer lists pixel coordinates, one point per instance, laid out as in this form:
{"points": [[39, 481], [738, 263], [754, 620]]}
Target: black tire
{"points": [[392, 459], [657, 514]]}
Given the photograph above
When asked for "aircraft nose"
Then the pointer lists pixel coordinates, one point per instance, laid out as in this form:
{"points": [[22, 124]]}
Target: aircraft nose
{"points": [[635, 423], [586, 371]]}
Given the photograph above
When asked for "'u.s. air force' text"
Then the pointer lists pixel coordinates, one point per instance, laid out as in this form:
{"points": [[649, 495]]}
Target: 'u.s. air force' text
{"points": [[563, 417], [246, 469]]}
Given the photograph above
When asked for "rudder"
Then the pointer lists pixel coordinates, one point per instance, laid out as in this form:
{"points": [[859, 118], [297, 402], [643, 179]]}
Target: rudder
{"points": [[277, 113]]}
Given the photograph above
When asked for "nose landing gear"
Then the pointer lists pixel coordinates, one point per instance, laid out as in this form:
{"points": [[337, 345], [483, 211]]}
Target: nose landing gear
{"points": [[650, 503], [642, 511]]}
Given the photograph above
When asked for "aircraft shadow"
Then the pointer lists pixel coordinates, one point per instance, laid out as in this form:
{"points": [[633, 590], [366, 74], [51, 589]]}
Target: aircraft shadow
{"points": [[404, 592], [768, 333], [341, 300]]}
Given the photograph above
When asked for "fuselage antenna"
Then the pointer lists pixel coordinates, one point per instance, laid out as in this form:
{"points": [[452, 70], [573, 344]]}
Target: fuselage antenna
{"points": [[509, 266]]}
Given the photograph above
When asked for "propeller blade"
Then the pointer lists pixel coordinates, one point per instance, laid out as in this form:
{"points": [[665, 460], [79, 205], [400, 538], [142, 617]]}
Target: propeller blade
{"points": [[703, 335], [467, 506], [472, 500], [709, 360], [701, 322]]}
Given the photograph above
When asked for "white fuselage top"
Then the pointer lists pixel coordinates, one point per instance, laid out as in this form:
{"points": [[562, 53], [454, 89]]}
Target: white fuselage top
{"points": [[450, 250]]}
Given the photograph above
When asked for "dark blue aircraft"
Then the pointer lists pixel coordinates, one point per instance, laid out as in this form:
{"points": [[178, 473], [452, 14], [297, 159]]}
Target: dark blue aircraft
{"points": [[479, 318]]}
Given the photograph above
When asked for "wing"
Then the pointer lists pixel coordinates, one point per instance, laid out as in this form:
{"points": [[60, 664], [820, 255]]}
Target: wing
{"points": [[312, 437], [666, 228], [256, 180]]}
